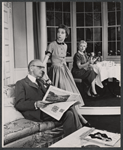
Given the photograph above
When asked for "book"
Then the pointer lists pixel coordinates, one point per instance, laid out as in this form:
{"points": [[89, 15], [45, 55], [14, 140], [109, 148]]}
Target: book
{"points": [[100, 137], [58, 101]]}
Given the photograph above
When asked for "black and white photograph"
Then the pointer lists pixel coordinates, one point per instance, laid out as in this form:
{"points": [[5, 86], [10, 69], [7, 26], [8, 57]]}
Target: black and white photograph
{"points": [[72, 47]]}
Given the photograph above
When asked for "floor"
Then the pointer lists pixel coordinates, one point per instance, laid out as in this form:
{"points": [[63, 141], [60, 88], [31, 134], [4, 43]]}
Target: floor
{"points": [[110, 123]]}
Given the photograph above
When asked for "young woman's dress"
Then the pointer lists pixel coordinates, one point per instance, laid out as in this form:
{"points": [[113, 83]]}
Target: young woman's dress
{"points": [[59, 73]]}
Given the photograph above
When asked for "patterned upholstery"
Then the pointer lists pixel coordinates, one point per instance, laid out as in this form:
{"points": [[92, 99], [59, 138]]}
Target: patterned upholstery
{"points": [[25, 133], [37, 140]]}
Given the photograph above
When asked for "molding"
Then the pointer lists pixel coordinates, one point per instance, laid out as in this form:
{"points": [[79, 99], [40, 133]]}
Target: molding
{"points": [[100, 110]]}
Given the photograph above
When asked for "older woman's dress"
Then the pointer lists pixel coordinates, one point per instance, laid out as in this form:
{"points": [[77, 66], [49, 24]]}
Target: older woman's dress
{"points": [[59, 73], [87, 73]]}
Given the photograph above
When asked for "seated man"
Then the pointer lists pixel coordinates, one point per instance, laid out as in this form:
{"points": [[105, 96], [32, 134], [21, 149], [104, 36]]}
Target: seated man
{"points": [[29, 94]]}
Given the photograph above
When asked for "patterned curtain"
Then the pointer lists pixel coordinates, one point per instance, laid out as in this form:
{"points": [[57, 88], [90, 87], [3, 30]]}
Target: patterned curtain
{"points": [[36, 29]]}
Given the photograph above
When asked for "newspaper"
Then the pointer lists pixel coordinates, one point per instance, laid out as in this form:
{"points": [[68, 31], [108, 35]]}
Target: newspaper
{"points": [[58, 101]]}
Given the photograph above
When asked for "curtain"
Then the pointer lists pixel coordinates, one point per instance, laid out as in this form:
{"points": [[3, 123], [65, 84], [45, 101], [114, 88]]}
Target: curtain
{"points": [[36, 29]]}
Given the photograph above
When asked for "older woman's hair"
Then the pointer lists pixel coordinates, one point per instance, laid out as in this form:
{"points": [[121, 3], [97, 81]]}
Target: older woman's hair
{"points": [[82, 42], [62, 26]]}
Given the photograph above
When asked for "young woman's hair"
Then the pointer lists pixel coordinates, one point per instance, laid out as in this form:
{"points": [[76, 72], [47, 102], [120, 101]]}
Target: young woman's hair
{"points": [[62, 26], [82, 42]]}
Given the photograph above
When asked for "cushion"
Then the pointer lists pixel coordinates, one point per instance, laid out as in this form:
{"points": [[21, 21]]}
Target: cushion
{"points": [[11, 114], [37, 140], [9, 90], [18, 129], [9, 101], [9, 95]]}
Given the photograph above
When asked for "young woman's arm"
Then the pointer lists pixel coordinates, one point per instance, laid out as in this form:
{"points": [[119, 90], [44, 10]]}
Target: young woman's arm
{"points": [[46, 57]]}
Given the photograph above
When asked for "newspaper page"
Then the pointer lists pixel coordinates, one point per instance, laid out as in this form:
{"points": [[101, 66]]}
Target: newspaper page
{"points": [[58, 101], [103, 137]]}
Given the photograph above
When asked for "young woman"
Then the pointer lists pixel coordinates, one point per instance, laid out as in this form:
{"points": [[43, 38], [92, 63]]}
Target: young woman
{"points": [[82, 68], [59, 73]]}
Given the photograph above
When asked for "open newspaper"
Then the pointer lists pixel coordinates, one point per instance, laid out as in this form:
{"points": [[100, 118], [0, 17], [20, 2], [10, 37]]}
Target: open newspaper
{"points": [[58, 101]]}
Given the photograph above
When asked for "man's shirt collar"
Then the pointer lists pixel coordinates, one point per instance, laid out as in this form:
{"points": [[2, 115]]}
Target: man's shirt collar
{"points": [[33, 79]]}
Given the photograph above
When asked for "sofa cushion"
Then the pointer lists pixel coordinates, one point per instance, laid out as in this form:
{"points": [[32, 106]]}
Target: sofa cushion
{"points": [[9, 90], [9, 95], [18, 129], [11, 114], [38, 140], [9, 101]]}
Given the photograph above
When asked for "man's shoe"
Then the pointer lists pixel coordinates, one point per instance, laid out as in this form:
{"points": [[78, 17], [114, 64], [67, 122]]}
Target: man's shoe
{"points": [[87, 124]]}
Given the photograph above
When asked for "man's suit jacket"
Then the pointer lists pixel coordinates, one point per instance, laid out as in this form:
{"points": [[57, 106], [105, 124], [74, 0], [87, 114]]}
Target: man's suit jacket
{"points": [[26, 94]]}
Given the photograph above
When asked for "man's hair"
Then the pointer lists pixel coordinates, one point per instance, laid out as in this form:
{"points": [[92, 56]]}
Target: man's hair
{"points": [[62, 26], [32, 62]]}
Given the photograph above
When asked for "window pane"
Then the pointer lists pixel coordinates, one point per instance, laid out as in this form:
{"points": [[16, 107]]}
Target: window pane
{"points": [[50, 18], [68, 39], [111, 34], [97, 19], [111, 48], [51, 34], [118, 33], [79, 6], [118, 5], [118, 48], [111, 6], [97, 34], [88, 19], [50, 6], [89, 34], [97, 7], [111, 18], [98, 48], [66, 7], [58, 18], [89, 47], [88, 6], [58, 6], [80, 34], [66, 18], [68, 49], [80, 19], [118, 18]]}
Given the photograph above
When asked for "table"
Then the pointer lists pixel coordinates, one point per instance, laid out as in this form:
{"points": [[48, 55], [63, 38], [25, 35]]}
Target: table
{"points": [[73, 140], [107, 70]]}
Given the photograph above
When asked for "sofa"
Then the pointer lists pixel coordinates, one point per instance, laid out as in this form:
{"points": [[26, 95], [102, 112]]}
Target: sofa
{"points": [[22, 133]]}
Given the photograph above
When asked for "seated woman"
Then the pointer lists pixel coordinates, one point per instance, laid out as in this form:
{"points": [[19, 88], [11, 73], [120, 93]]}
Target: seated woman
{"points": [[82, 68]]}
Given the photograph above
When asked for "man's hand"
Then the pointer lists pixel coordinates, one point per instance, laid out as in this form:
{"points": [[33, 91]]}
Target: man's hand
{"points": [[40, 104]]}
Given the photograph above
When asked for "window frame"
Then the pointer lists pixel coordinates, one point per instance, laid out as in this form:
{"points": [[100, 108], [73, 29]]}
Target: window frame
{"points": [[104, 33]]}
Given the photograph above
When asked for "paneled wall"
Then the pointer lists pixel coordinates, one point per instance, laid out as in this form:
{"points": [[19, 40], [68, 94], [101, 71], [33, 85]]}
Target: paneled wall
{"points": [[7, 46], [20, 34]]}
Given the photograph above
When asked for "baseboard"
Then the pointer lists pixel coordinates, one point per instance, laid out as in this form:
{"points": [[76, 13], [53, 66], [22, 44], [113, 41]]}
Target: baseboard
{"points": [[100, 110]]}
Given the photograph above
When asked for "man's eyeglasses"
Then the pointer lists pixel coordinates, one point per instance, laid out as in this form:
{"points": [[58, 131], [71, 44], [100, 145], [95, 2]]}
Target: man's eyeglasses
{"points": [[40, 67]]}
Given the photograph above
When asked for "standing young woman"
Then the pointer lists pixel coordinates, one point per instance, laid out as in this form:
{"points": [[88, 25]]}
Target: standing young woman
{"points": [[59, 73]]}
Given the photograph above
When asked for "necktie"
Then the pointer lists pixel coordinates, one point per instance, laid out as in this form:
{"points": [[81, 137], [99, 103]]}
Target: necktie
{"points": [[38, 82], [41, 86]]}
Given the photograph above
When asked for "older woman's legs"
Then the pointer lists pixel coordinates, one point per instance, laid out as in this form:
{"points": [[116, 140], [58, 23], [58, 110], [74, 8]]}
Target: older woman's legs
{"points": [[93, 87]]}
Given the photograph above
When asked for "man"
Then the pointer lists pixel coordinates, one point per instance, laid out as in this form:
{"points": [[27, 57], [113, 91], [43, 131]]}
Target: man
{"points": [[29, 97]]}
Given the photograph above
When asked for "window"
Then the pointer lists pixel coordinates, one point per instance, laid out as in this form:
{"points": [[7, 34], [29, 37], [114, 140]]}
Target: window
{"points": [[114, 28], [98, 23], [89, 25], [58, 13]]}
